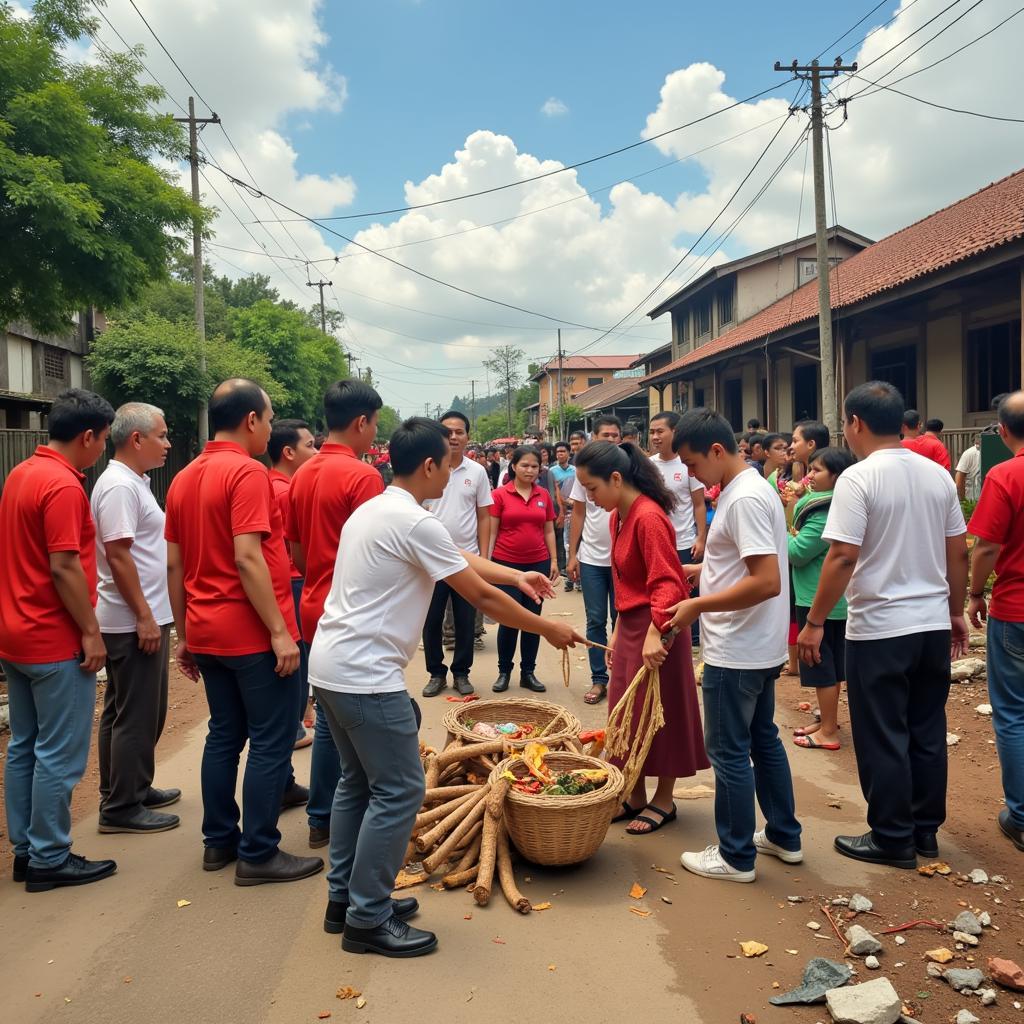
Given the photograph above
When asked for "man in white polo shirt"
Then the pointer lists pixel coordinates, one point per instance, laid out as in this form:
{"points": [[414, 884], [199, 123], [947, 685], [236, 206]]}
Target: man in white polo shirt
{"points": [[590, 564], [391, 556], [898, 549], [134, 614], [463, 510]]}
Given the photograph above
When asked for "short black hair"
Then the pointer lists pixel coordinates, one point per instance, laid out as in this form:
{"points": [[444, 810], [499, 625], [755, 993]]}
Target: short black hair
{"points": [[454, 414], [756, 438], [912, 419], [415, 441], [607, 420], [578, 433], [233, 400], [997, 400], [879, 405], [347, 400], [816, 431], [934, 425], [669, 416], [1011, 413], [700, 428], [770, 439], [835, 460], [561, 444], [75, 411], [753, 424], [630, 430], [284, 434]]}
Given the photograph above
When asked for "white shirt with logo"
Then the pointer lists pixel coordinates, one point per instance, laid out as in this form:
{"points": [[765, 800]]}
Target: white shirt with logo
{"points": [[680, 484], [124, 508], [468, 489], [391, 554], [596, 543], [749, 520], [899, 509]]}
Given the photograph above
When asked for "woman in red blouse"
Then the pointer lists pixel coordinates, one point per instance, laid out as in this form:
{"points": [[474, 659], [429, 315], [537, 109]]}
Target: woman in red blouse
{"points": [[648, 581], [522, 537]]}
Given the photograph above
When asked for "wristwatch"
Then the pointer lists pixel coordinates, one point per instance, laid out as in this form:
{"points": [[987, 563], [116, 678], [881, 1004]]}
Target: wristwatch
{"points": [[667, 638]]}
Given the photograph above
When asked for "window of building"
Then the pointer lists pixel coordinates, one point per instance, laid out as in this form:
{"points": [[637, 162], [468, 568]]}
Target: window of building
{"points": [[898, 366], [725, 306], [993, 363], [733, 401], [805, 392], [698, 398], [702, 315], [684, 327], [53, 363], [592, 382]]}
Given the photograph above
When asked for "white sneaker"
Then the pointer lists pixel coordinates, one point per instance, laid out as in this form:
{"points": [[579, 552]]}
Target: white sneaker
{"points": [[766, 846], [709, 864]]}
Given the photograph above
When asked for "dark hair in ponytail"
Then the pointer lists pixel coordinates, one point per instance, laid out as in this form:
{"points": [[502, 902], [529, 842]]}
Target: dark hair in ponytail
{"points": [[602, 458]]}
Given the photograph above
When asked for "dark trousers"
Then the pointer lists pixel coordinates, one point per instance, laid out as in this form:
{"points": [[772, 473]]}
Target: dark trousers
{"points": [[897, 690], [303, 661], [508, 637], [250, 703], [686, 558], [561, 537], [464, 616], [134, 712]]}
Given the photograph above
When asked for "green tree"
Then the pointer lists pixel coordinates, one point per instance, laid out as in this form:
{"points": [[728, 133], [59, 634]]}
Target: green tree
{"points": [[156, 360], [505, 364], [387, 422], [175, 300], [246, 291], [492, 425], [85, 218]]}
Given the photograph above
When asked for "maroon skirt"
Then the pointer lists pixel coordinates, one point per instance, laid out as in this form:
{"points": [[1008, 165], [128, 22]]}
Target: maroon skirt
{"points": [[678, 746]]}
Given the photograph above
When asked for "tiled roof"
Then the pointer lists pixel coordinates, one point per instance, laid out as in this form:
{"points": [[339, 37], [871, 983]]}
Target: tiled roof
{"points": [[587, 363], [985, 220], [611, 391]]}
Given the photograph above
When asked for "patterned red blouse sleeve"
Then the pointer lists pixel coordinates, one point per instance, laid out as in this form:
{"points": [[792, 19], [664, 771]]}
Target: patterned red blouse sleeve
{"points": [[666, 587]]}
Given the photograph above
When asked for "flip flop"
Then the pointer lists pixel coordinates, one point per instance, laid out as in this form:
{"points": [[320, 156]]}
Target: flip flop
{"points": [[628, 813], [802, 732], [666, 817], [592, 698], [809, 743]]}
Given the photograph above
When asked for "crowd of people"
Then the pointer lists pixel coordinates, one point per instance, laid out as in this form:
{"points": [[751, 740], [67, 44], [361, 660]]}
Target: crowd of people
{"points": [[848, 565]]}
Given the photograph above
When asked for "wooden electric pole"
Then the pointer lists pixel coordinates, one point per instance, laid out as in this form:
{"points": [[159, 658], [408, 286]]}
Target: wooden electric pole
{"points": [[197, 251], [814, 72], [323, 313]]}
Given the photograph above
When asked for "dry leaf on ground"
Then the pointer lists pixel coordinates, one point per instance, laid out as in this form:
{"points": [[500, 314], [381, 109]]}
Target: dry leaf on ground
{"points": [[693, 792], [542, 906], [637, 892], [184, 903], [940, 955], [348, 992], [360, 1002], [405, 880], [937, 868], [753, 948]]}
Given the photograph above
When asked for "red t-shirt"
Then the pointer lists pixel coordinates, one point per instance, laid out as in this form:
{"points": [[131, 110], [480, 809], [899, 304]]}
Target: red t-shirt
{"points": [[281, 484], [521, 524], [220, 495], [999, 518], [325, 491], [43, 509], [930, 447]]}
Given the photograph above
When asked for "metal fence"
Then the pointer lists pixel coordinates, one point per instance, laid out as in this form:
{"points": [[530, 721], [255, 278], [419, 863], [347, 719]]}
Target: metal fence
{"points": [[18, 445], [956, 441]]}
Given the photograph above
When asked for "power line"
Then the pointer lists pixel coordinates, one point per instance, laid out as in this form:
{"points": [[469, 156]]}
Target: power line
{"points": [[878, 28], [943, 106], [881, 3]]}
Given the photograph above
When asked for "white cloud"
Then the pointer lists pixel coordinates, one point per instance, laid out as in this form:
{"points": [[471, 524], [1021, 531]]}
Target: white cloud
{"points": [[554, 107]]}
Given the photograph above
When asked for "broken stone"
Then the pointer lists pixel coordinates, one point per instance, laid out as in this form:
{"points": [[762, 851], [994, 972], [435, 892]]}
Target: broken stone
{"points": [[985, 918], [939, 956], [795, 899], [1006, 973], [952, 739], [813, 925], [964, 939], [871, 963], [966, 1017], [899, 940], [966, 668], [820, 975], [978, 877], [841, 901], [988, 997], [934, 971], [860, 904], [965, 921], [861, 941], [984, 709], [872, 1002], [960, 978], [998, 879]]}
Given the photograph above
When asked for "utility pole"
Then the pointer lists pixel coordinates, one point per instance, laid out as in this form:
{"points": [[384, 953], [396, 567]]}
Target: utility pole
{"points": [[814, 72], [352, 359], [323, 314], [197, 251], [561, 401]]}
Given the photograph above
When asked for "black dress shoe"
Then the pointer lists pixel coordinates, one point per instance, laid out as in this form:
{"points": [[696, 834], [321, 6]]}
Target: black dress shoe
{"points": [[528, 681], [463, 686], [20, 869], [282, 867], [161, 798], [926, 844], [501, 683], [295, 796], [865, 848], [1007, 827], [217, 857], [393, 938], [318, 837], [141, 822], [74, 871], [435, 685], [334, 919]]}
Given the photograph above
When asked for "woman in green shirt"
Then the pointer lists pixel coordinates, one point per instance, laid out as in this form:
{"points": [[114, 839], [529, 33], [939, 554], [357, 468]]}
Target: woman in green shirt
{"points": [[807, 552]]}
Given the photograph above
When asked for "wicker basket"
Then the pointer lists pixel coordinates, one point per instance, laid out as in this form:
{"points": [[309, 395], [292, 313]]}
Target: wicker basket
{"points": [[558, 830], [522, 710]]}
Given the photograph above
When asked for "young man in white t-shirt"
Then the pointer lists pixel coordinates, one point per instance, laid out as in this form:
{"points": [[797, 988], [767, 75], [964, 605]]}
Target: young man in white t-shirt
{"points": [[744, 618], [392, 554], [590, 564], [463, 510], [133, 610], [899, 552]]}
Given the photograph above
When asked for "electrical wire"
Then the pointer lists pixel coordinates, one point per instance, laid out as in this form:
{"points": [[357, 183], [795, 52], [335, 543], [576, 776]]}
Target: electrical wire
{"points": [[943, 106], [881, 3]]}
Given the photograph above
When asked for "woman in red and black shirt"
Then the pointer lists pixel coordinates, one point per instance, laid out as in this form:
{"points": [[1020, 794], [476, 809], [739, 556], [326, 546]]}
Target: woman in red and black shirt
{"points": [[648, 585], [522, 537]]}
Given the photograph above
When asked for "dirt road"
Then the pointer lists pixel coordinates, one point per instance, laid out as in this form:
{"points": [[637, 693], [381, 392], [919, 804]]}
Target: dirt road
{"points": [[123, 952]]}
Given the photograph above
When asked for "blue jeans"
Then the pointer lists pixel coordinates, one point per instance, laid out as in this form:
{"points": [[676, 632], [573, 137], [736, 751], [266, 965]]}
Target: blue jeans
{"points": [[739, 728], [250, 703], [1006, 691], [378, 797], [324, 772], [51, 708], [599, 603]]}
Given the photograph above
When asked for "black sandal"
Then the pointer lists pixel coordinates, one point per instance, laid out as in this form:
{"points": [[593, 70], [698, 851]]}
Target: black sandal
{"points": [[628, 813], [666, 817]]}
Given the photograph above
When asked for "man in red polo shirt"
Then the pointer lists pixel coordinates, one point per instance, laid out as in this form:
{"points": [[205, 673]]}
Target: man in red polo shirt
{"points": [[323, 494], [998, 523], [50, 642], [925, 440], [227, 573]]}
